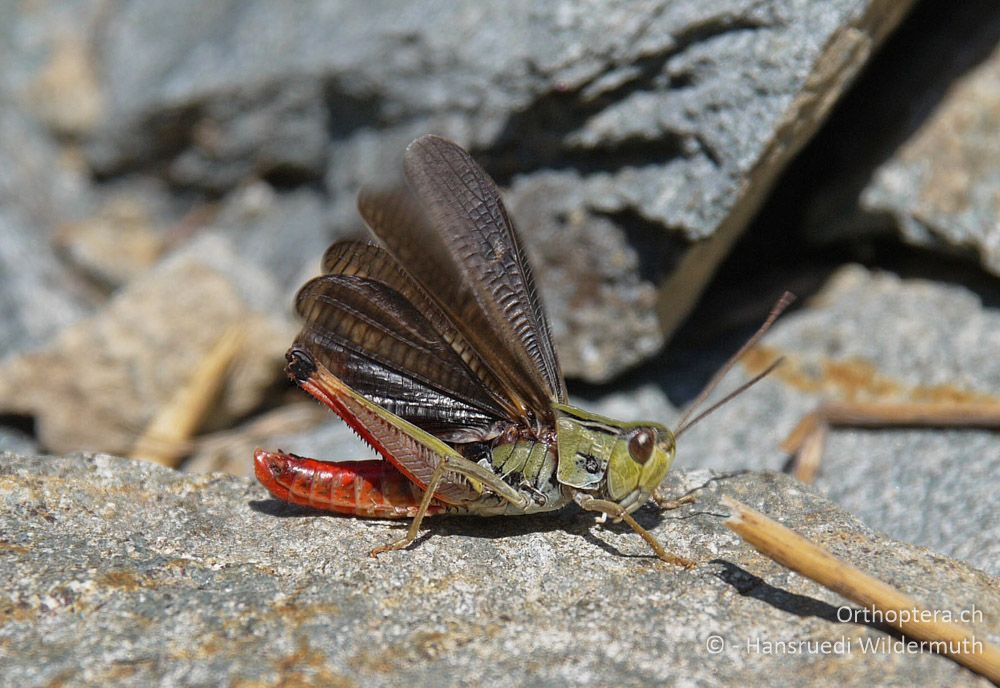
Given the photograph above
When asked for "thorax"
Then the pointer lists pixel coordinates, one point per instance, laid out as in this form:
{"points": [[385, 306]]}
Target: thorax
{"points": [[527, 464]]}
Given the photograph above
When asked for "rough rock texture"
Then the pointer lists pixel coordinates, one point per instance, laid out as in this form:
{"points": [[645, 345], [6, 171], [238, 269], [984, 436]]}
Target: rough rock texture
{"points": [[931, 486], [173, 170], [122, 573], [868, 336], [673, 116]]}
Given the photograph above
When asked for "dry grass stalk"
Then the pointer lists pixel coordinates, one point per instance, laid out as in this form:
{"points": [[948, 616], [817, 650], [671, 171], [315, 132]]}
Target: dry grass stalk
{"points": [[807, 439], [802, 556], [167, 437]]}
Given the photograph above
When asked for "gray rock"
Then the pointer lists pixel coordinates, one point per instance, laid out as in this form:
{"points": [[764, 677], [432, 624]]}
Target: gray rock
{"points": [[274, 131], [36, 298], [942, 186], [677, 116], [17, 441], [123, 573], [591, 274], [910, 150], [39, 190], [277, 237]]}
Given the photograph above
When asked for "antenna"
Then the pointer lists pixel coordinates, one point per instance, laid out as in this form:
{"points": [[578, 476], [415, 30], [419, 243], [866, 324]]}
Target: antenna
{"points": [[686, 421]]}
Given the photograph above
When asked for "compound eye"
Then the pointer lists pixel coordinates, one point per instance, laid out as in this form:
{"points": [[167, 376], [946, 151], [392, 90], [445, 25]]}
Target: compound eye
{"points": [[640, 446]]}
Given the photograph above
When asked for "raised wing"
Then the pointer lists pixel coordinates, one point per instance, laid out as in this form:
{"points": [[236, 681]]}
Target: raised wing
{"points": [[452, 234], [374, 328]]}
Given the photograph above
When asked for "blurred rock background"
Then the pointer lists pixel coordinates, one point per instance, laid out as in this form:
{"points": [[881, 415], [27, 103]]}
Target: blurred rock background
{"points": [[170, 174]]}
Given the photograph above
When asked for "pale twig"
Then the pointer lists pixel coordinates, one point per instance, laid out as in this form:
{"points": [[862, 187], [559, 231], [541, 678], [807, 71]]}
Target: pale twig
{"points": [[806, 441], [899, 610], [168, 434]]}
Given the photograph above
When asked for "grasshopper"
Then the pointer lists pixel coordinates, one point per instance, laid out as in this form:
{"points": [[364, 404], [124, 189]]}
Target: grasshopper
{"points": [[434, 347]]}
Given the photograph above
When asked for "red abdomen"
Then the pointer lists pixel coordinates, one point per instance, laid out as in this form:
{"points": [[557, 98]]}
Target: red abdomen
{"points": [[370, 488]]}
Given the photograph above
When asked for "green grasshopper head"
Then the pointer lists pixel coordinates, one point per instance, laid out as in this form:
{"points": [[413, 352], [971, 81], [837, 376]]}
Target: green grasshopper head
{"points": [[619, 462], [624, 463], [640, 458]]}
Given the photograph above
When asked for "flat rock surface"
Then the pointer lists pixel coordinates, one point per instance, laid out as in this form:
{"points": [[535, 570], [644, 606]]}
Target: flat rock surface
{"points": [[124, 573], [174, 172]]}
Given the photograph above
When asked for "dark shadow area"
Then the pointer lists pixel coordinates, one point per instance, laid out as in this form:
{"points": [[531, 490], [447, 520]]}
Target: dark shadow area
{"points": [[443, 524], [749, 585], [734, 305], [606, 546], [898, 91], [727, 316], [571, 520], [20, 423], [288, 177], [347, 112], [276, 507], [172, 131], [657, 251]]}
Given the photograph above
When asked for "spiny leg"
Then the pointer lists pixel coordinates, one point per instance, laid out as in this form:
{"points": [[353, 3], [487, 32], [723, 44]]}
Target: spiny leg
{"points": [[618, 512], [805, 442], [411, 533]]}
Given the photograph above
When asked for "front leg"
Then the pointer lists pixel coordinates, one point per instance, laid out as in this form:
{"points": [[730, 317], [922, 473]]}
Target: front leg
{"points": [[618, 513], [669, 504]]}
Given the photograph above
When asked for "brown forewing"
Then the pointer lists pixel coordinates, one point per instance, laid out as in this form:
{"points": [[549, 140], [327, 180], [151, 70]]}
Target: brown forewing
{"points": [[362, 324], [372, 262], [451, 232]]}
